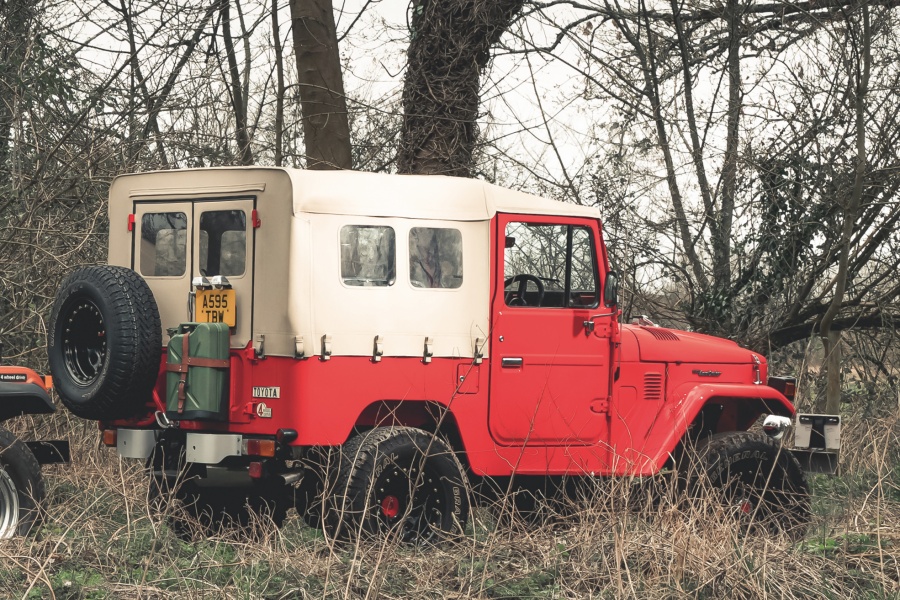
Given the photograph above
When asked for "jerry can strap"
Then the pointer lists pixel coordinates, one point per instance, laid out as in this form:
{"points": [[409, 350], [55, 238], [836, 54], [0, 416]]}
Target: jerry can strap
{"points": [[188, 361]]}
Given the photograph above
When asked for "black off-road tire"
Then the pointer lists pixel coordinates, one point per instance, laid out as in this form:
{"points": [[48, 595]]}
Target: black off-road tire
{"points": [[21, 487], [105, 342], [758, 481], [397, 483]]}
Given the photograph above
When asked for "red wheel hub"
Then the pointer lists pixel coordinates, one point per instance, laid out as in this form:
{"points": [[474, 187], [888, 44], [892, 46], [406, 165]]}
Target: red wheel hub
{"points": [[390, 507]]}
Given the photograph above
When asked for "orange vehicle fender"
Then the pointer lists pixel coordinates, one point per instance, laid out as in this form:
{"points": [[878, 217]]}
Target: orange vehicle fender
{"points": [[23, 392]]}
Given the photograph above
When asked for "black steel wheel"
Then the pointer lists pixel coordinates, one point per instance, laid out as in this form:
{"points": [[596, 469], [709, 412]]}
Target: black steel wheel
{"points": [[21, 487], [105, 342], [398, 483], [756, 481]]}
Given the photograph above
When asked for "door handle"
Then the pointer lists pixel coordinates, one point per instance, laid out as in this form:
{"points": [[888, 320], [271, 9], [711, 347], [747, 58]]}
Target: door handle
{"points": [[511, 362]]}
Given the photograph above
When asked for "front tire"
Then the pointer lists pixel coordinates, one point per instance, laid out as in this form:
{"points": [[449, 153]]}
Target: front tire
{"points": [[757, 481], [105, 342], [398, 483], [21, 487]]}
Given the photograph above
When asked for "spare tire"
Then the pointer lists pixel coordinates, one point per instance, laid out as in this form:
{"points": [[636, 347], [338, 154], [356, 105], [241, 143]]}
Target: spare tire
{"points": [[105, 342]]}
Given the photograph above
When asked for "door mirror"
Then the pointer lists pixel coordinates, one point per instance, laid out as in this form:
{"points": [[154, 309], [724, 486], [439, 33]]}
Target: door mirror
{"points": [[611, 289]]}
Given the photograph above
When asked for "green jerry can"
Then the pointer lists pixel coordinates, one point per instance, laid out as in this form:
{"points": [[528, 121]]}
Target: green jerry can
{"points": [[197, 372]]}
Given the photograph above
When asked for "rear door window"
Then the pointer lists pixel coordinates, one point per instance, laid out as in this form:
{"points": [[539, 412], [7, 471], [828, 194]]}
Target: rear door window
{"points": [[223, 243], [163, 244]]}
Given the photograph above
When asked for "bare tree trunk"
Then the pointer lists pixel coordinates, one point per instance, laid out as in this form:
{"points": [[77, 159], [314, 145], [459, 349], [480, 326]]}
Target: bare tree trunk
{"points": [[693, 130], [16, 20], [152, 125], [279, 85], [649, 70], [238, 101], [833, 373], [326, 125], [831, 338], [722, 242], [448, 52]]}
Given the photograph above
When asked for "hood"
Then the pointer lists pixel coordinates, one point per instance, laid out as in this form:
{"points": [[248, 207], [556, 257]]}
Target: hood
{"points": [[658, 344]]}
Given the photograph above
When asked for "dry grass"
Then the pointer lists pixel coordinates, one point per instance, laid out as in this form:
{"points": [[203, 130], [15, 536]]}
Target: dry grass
{"points": [[99, 540]]}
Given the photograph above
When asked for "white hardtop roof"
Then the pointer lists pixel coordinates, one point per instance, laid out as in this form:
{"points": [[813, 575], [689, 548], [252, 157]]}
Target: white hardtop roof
{"points": [[360, 193]]}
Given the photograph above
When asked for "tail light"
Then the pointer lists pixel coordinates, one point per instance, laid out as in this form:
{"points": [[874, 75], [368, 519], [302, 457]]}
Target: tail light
{"points": [[257, 447], [110, 437]]}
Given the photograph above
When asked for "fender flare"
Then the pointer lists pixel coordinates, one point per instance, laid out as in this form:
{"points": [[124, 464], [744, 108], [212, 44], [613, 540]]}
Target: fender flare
{"points": [[686, 402]]}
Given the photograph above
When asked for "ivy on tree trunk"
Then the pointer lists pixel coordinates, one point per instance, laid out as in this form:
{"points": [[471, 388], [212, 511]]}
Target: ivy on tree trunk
{"points": [[449, 49]]}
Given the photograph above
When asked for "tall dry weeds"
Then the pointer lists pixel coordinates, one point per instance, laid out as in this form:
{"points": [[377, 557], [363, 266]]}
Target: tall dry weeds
{"points": [[615, 539]]}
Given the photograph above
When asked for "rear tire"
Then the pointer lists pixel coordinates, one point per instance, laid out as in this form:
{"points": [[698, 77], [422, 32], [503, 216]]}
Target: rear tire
{"points": [[397, 483], [105, 342], [21, 487], [757, 481]]}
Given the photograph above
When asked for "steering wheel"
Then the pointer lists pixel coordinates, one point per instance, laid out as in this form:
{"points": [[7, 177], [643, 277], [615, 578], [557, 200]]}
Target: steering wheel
{"points": [[516, 297]]}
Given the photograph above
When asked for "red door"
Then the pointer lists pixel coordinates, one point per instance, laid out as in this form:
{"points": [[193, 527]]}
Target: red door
{"points": [[549, 370]]}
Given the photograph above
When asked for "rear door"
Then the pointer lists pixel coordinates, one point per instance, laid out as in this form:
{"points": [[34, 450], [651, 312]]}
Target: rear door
{"points": [[549, 372], [175, 242]]}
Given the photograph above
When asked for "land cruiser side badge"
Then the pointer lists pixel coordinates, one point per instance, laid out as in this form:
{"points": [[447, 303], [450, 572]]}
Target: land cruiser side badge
{"points": [[267, 392], [263, 411]]}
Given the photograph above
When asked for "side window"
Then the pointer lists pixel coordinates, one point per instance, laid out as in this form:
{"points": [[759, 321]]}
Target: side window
{"points": [[223, 243], [435, 257], [550, 266], [368, 255], [163, 244], [583, 291]]}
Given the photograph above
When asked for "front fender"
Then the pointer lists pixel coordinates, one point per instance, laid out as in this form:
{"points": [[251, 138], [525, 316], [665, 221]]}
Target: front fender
{"points": [[22, 392], [741, 403]]}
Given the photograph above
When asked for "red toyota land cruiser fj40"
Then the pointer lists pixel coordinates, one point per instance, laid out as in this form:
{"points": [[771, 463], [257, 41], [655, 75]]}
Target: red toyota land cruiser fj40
{"points": [[382, 341]]}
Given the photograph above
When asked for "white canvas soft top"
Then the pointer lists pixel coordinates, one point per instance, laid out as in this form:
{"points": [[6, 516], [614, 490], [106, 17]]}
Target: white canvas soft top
{"points": [[417, 196], [360, 193], [301, 303]]}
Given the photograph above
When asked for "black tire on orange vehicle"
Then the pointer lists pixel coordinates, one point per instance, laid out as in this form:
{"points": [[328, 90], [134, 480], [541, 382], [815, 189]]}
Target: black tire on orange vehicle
{"points": [[757, 481], [21, 487], [397, 483], [105, 342]]}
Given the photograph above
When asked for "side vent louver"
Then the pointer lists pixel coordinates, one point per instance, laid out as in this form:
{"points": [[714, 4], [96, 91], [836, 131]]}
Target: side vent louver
{"points": [[653, 386]]}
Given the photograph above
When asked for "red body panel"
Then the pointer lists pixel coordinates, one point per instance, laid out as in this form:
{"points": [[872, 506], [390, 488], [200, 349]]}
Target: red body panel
{"points": [[574, 400]]}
